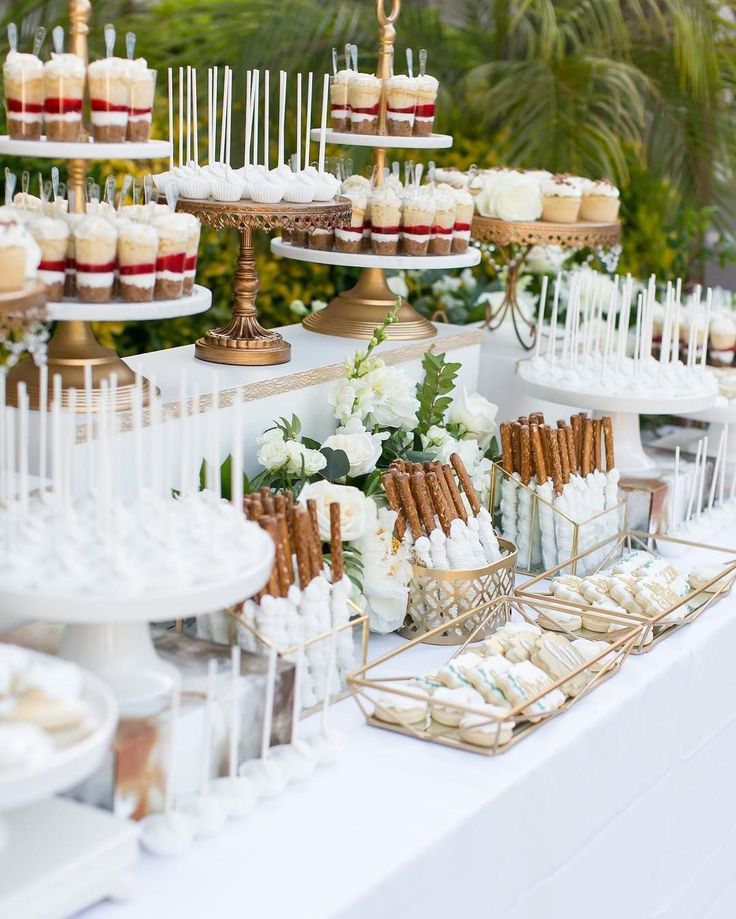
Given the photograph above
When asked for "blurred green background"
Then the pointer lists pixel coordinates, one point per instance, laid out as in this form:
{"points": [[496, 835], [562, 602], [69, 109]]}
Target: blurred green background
{"points": [[638, 92]]}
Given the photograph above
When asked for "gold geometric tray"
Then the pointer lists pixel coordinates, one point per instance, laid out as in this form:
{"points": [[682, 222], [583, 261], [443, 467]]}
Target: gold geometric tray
{"points": [[368, 683], [654, 629]]}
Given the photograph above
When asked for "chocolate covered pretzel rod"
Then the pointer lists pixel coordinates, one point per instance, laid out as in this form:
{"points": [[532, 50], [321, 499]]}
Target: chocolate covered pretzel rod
{"points": [[597, 442], [538, 452], [284, 537], [457, 498], [438, 500], [525, 450], [586, 463], [423, 501], [462, 473], [336, 552], [409, 505], [554, 454], [391, 489], [507, 455], [436, 467], [564, 455], [269, 525], [608, 438], [301, 526]]}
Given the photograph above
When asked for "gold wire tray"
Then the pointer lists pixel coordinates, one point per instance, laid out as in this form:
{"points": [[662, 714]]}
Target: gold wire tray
{"points": [[438, 597], [583, 543], [654, 629], [263, 645], [367, 685]]}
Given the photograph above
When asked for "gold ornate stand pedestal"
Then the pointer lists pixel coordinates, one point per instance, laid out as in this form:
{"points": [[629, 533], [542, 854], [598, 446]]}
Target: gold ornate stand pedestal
{"points": [[355, 313], [244, 341], [22, 309], [514, 241]]}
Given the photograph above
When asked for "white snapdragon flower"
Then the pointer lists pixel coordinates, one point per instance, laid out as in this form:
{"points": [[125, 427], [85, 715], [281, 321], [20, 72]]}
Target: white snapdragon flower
{"points": [[397, 285]]}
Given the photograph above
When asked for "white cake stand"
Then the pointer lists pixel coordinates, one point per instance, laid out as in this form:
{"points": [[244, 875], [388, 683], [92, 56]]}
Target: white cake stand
{"points": [[625, 411], [84, 150], [74, 345], [385, 141], [369, 260], [717, 416], [109, 635]]}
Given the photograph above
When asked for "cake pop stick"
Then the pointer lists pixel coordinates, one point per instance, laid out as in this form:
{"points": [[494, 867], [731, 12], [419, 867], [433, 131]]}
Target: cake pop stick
{"points": [[462, 473], [223, 116], [308, 126], [694, 483], [706, 330], [540, 316], [180, 120], [171, 118], [282, 110], [189, 114], [256, 89], [228, 136], [298, 121], [703, 465], [323, 122], [675, 490], [724, 462], [716, 468], [266, 115], [409, 505]]}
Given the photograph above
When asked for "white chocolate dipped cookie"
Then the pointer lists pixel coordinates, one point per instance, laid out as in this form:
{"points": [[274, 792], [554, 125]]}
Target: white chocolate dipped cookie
{"points": [[446, 713], [522, 682], [487, 730], [559, 620], [484, 679], [557, 657], [395, 709]]}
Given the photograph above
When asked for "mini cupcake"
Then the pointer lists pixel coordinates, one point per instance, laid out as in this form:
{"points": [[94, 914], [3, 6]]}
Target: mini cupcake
{"points": [[109, 98], [464, 207], [299, 189], [600, 202], [63, 87], [137, 254], [364, 95], [140, 104], [401, 103], [52, 236], [339, 103], [267, 190], [385, 221], [173, 236], [23, 81], [444, 224], [95, 246], [191, 181], [427, 87], [350, 237], [225, 183], [417, 220], [560, 201]]}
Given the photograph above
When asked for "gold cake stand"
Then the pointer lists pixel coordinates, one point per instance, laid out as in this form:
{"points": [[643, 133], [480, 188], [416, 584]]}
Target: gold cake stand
{"points": [[21, 309], [243, 340], [515, 240]]}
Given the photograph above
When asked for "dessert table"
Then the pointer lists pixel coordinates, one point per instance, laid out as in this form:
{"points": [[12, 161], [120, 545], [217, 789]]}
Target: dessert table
{"points": [[624, 807]]}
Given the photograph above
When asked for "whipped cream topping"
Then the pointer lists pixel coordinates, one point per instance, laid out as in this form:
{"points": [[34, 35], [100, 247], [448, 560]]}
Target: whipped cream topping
{"points": [[18, 67], [112, 68], [601, 187], [95, 228], [64, 65], [560, 188]]}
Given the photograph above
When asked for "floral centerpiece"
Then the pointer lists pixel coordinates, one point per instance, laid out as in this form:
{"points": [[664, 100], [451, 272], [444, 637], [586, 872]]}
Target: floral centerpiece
{"points": [[380, 415]]}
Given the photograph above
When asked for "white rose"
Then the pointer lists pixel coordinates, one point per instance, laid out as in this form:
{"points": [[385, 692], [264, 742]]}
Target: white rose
{"points": [[385, 587], [468, 451], [476, 414], [272, 453], [314, 462], [435, 437], [484, 199], [352, 503], [516, 197], [363, 450]]}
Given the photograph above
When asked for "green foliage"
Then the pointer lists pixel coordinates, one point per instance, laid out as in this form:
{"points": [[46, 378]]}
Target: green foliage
{"points": [[337, 466], [433, 392]]}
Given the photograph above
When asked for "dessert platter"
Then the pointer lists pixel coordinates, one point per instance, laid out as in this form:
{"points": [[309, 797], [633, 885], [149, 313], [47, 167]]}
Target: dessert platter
{"points": [[493, 691], [592, 367], [254, 197], [393, 226], [553, 495]]}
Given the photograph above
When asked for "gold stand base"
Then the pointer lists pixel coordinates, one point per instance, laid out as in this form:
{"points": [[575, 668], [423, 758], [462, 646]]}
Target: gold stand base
{"points": [[355, 313], [72, 348], [254, 346]]}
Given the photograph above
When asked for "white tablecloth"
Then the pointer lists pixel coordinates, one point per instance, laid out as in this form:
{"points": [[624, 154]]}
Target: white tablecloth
{"points": [[624, 808]]}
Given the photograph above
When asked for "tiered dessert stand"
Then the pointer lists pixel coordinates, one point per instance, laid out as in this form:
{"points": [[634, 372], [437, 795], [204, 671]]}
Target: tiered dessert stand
{"points": [[514, 241], [20, 310], [74, 346], [243, 340], [355, 313]]}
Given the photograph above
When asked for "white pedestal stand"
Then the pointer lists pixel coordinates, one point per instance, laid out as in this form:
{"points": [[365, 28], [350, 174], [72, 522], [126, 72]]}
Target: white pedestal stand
{"points": [[717, 417], [631, 459]]}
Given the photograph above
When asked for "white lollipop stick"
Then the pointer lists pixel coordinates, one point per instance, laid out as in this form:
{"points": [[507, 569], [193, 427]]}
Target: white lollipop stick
{"points": [[268, 705], [234, 712], [43, 407], [23, 409], [675, 489], [323, 122], [173, 743], [256, 115], [307, 135], [553, 320], [209, 117], [181, 116], [209, 711], [724, 463], [195, 122], [716, 469], [189, 114], [282, 110], [266, 115], [248, 121], [540, 316], [703, 464], [229, 115], [236, 489], [171, 117], [706, 331], [223, 117], [215, 81], [298, 120]]}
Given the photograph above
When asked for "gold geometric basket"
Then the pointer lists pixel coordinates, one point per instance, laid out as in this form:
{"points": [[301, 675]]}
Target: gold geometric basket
{"points": [[437, 597]]}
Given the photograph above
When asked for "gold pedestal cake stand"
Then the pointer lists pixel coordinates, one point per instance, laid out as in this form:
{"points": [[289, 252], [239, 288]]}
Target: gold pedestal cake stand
{"points": [[21, 309], [515, 240], [243, 340]]}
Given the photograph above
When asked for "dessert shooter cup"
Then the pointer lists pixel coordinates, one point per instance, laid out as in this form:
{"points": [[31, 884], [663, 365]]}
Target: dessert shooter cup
{"points": [[427, 87], [140, 108], [137, 253], [95, 251], [52, 236], [322, 239], [401, 103], [23, 81], [173, 236], [339, 104], [464, 208], [350, 237], [63, 88], [385, 221], [13, 256], [443, 226], [417, 220], [190, 260], [364, 96], [70, 278], [109, 98]]}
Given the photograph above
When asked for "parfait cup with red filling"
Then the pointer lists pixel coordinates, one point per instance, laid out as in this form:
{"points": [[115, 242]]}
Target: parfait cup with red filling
{"points": [[109, 99], [63, 87]]}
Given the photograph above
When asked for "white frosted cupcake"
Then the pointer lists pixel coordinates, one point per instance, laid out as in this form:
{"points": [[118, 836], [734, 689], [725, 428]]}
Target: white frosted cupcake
{"points": [[600, 202], [95, 245], [560, 200]]}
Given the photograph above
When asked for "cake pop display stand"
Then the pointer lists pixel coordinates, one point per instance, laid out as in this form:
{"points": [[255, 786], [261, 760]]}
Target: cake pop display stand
{"points": [[355, 313], [372, 291], [717, 416], [109, 635], [243, 340], [74, 346], [58, 856], [84, 149], [631, 459], [22, 309], [515, 240]]}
